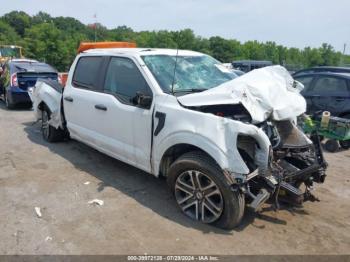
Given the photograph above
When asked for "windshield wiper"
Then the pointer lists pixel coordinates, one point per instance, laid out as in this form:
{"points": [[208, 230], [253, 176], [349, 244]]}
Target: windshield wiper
{"points": [[192, 90]]}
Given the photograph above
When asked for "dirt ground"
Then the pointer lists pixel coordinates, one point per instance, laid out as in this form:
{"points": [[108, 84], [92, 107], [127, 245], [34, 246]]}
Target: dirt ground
{"points": [[139, 215]]}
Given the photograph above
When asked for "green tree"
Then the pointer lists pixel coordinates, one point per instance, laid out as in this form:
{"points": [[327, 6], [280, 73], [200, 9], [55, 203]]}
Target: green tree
{"points": [[56, 39], [44, 42], [41, 17], [7, 34], [19, 21], [328, 55], [221, 49], [311, 57]]}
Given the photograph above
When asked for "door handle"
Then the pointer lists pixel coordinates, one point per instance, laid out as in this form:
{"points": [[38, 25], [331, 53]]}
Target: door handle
{"points": [[101, 107], [68, 98]]}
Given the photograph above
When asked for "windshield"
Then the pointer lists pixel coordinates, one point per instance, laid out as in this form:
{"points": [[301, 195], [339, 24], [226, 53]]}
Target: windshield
{"points": [[192, 74], [10, 52]]}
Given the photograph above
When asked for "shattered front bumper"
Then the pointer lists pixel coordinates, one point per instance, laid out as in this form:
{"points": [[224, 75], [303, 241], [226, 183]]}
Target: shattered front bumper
{"points": [[289, 167]]}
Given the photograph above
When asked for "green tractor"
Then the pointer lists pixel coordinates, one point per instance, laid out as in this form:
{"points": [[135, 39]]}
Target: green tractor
{"points": [[9, 51]]}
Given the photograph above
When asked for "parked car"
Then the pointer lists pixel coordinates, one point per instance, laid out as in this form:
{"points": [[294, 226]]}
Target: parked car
{"points": [[20, 74], [221, 141], [249, 65], [327, 91], [320, 69]]}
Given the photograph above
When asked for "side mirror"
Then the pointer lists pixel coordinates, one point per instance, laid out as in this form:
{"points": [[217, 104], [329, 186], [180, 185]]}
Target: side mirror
{"points": [[142, 100]]}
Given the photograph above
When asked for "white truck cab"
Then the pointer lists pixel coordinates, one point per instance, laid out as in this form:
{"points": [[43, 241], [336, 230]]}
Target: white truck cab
{"points": [[221, 140]]}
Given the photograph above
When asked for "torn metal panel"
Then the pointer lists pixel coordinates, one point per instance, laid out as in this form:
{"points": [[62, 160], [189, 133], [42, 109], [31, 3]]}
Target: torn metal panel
{"points": [[44, 92]]}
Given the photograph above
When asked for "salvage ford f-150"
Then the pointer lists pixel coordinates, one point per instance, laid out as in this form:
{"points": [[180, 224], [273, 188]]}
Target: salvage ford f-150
{"points": [[223, 142]]}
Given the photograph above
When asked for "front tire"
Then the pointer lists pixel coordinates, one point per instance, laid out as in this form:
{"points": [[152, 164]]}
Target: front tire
{"points": [[50, 133], [203, 193]]}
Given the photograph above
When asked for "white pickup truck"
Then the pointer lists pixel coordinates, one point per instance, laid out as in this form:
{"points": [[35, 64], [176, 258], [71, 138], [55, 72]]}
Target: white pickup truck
{"points": [[223, 142]]}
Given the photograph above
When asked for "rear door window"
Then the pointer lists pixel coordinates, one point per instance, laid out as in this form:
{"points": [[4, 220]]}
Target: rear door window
{"points": [[328, 85], [87, 72]]}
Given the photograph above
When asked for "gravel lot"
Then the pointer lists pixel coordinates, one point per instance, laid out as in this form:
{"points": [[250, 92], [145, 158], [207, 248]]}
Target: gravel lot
{"points": [[139, 215]]}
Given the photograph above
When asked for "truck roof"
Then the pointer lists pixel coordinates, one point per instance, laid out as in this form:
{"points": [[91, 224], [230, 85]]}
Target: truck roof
{"points": [[142, 51]]}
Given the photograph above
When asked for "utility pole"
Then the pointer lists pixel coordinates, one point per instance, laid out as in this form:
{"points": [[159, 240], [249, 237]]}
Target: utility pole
{"points": [[95, 16], [344, 49], [343, 55]]}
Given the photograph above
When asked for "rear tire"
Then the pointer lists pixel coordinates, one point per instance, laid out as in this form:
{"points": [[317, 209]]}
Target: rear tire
{"points": [[50, 133], [214, 192], [8, 104], [332, 145]]}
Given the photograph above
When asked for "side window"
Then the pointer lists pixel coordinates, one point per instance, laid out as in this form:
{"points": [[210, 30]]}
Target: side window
{"points": [[330, 85], [124, 80], [305, 80], [86, 72]]}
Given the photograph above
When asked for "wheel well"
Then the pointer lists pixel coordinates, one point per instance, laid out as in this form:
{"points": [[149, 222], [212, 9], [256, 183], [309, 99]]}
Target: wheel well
{"points": [[41, 105], [246, 146], [174, 152]]}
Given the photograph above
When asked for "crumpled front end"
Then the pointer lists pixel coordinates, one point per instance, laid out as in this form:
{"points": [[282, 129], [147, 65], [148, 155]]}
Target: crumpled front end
{"points": [[294, 161], [263, 105]]}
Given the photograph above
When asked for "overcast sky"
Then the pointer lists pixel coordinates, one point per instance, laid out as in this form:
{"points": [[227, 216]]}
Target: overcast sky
{"points": [[296, 23]]}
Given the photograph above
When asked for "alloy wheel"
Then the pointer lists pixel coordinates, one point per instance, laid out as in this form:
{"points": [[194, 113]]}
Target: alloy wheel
{"points": [[198, 196]]}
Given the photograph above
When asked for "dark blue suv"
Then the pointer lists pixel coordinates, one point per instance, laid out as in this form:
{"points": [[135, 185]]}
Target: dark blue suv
{"points": [[327, 91], [20, 74]]}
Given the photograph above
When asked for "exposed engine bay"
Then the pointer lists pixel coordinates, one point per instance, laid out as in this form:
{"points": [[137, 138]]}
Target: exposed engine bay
{"points": [[296, 162]]}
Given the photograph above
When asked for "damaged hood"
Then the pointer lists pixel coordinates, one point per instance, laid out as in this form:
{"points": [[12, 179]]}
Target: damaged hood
{"points": [[266, 92]]}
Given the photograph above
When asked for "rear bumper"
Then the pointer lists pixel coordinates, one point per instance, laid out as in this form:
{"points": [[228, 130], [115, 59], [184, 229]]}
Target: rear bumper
{"points": [[18, 96]]}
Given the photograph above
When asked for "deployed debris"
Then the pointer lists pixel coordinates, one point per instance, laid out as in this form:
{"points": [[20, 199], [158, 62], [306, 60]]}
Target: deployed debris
{"points": [[96, 202], [38, 212]]}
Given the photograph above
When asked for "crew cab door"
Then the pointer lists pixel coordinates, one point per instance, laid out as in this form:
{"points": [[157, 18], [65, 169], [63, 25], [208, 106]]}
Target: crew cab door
{"points": [[108, 116], [79, 98], [131, 131]]}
